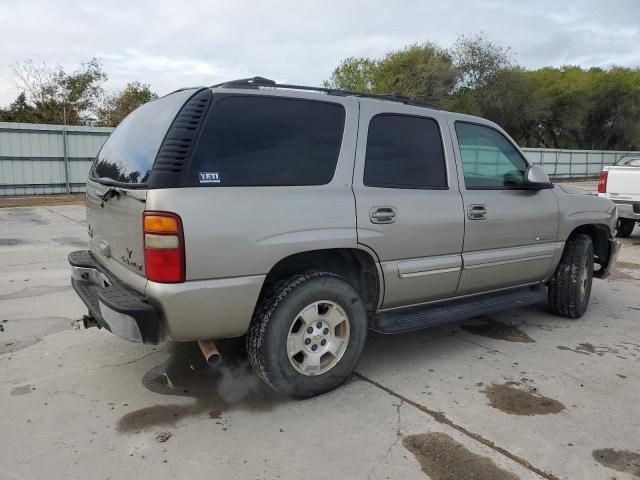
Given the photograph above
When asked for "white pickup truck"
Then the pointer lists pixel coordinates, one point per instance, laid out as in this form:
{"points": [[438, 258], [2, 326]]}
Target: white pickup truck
{"points": [[620, 183]]}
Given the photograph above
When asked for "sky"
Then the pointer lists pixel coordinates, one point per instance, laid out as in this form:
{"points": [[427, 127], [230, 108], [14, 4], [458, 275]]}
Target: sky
{"points": [[173, 44]]}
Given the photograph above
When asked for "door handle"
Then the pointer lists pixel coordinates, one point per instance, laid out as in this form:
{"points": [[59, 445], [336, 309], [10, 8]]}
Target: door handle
{"points": [[382, 215], [477, 212]]}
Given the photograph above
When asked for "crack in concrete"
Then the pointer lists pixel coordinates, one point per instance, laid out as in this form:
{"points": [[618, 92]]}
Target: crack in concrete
{"points": [[440, 417], [63, 215], [93, 369], [12, 475], [394, 443], [492, 350]]}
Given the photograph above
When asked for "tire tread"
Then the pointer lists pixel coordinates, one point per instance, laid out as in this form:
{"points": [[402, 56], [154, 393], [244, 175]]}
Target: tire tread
{"points": [[564, 290], [267, 305]]}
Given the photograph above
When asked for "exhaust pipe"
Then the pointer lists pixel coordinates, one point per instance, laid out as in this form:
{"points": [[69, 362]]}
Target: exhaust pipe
{"points": [[87, 321], [210, 351]]}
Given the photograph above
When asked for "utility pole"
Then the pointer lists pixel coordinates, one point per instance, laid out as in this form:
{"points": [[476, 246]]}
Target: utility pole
{"points": [[64, 146]]}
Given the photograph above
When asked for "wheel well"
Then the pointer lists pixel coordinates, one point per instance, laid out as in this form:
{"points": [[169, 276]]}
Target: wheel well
{"points": [[600, 237], [356, 266]]}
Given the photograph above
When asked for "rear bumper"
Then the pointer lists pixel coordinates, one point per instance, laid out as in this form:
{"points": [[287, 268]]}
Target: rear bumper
{"points": [[122, 311], [628, 210]]}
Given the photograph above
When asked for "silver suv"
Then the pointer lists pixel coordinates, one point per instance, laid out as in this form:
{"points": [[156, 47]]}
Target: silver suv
{"points": [[302, 217]]}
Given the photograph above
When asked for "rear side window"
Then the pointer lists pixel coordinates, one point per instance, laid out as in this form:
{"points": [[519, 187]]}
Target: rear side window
{"points": [[268, 141], [404, 152], [128, 154]]}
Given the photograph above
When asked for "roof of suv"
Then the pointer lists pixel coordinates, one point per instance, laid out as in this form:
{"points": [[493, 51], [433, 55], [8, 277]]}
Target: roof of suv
{"points": [[261, 82], [264, 85]]}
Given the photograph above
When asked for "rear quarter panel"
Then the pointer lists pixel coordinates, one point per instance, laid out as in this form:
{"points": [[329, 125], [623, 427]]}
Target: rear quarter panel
{"points": [[241, 231], [232, 232]]}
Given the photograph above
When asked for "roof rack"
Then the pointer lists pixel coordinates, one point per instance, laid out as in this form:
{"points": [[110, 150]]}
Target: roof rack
{"points": [[258, 82]]}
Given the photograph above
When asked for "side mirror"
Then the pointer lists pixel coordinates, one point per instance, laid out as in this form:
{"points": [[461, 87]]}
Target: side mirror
{"points": [[536, 178]]}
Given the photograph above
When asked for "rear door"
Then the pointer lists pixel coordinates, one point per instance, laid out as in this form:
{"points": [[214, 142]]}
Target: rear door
{"points": [[117, 187], [409, 209], [510, 233]]}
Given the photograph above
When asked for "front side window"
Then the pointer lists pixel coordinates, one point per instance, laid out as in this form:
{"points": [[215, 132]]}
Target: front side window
{"points": [[404, 152], [268, 141], [489, 160]]}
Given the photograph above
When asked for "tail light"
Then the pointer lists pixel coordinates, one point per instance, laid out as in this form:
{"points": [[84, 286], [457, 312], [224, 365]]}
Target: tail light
{"points": [[163, 247], [602, 182]]}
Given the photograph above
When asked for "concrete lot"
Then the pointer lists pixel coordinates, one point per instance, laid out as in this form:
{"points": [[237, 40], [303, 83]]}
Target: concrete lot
{"points": [[522, 394]]}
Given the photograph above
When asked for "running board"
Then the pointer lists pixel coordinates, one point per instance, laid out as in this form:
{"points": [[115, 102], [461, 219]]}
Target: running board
{"points": [[418, 317]]}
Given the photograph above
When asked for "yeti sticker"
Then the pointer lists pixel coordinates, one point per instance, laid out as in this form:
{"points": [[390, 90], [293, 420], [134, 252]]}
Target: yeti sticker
{"points": [[209, 177]]}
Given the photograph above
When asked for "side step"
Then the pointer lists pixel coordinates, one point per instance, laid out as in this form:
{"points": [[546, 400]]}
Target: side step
{"points": [[424, 316]]}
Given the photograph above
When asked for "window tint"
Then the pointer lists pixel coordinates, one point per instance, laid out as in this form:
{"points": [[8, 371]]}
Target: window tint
{"points": [[128, 154], [256, 140], [404, 152], [489, 160]]}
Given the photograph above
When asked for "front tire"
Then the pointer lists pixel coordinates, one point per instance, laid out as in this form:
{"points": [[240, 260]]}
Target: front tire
{"points": [[307, 334], [625, 227], [570, 285]]}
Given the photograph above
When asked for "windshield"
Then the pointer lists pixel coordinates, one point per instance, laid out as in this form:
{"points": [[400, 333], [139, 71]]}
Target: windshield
{"points": [[128, 155], [629, 162]]}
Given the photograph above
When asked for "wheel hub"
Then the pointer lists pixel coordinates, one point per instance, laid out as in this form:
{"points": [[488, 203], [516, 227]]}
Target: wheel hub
{"points": [[318, 337]]}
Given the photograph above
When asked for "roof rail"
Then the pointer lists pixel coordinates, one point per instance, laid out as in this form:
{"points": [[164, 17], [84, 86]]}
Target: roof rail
{"points": [[258, 82]]}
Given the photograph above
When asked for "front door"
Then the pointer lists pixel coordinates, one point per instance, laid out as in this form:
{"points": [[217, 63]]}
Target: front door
{"points": [[409, 208], [510, 232]]}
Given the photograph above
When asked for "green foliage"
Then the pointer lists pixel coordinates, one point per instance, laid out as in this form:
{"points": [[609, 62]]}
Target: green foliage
{"points": [[479, 60], [353, 74], [567, 107], [118, 105], [422, 72], [51, 95]]}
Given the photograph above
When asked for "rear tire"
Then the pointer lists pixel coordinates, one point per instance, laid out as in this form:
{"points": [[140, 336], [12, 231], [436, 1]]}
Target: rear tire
{"points": [[570, 285], [307, 334], [625, 227]]}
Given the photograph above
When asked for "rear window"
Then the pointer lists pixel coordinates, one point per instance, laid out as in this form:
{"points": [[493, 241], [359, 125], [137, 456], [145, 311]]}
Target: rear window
{"points": [[268, 141], [128, 155]]}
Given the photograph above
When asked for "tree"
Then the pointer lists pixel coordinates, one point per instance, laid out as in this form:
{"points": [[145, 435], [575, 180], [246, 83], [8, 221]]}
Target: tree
{"points": [[50, 95], [514, 101], [18, 111], [353, 74], [479, 60], [613, 118], [422, 72], [117, 106]]}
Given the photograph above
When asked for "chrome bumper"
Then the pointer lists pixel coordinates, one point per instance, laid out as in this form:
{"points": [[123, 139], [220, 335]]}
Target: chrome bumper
{"points": [[628, 210]]}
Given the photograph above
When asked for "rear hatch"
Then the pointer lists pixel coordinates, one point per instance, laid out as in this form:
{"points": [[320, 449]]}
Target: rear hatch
{"points": [[118, 184]]}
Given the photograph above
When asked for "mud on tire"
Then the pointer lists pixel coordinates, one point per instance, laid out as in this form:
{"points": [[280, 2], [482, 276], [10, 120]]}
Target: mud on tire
{"points": [[570, 285], [278, 308]]}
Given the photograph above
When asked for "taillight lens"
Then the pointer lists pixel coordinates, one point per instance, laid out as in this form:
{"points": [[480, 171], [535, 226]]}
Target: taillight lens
{"points": [[163, 247], [602, 182]]}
